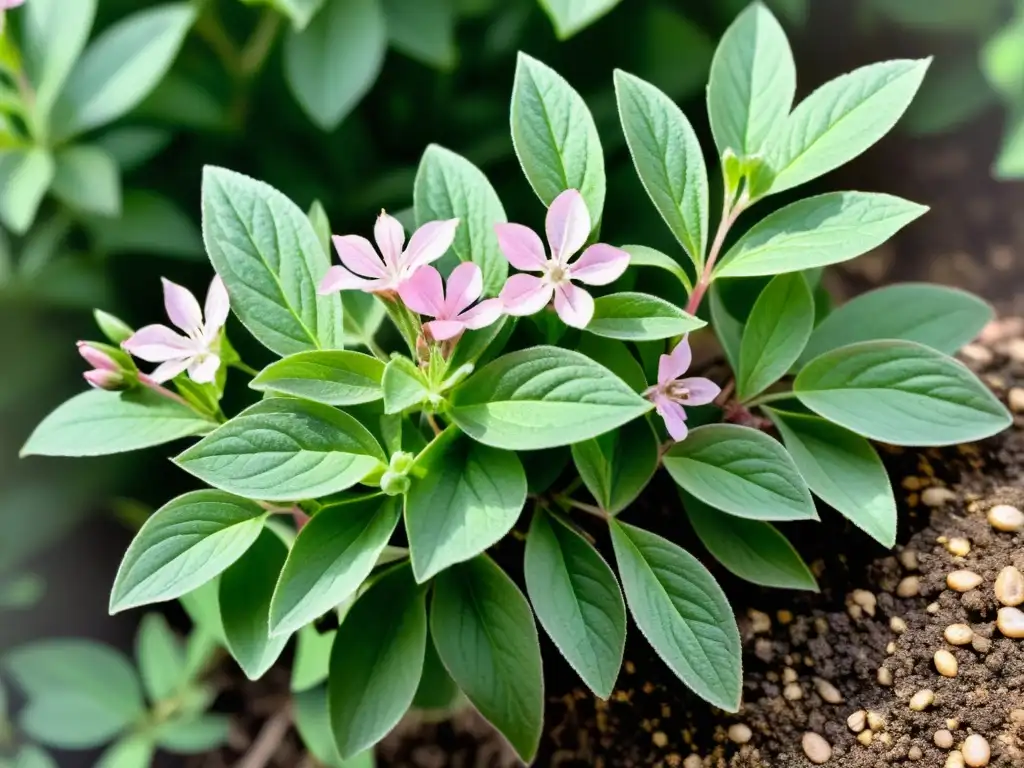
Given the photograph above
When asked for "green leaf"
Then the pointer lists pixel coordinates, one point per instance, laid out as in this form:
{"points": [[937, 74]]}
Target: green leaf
{"points": [[616, 357], [437, 690], [902, 393], [423, 30], [485, 634], [80, 694], [727, 328], [668, 160], [55, 34], [816, 232], [555, 137], [246, 588], [377, 662], [481, 344], [752, 83], [751, 549], [842, 469], [954, 93], [121, 67], [284, 449], [404, 385], [161, 658], [843, 118], [570, 16], [332, 556], [642, 256], [313, 722], [1001, 60], [448, 186], [193, 736], [312, 658], [741, 471], [639, 317], [543, 397], [333, 62], [1010, 162], [470, 497], [271, 260], [149, 224], [332, 377], [775, 334], [186, 542], [617, 466], [939, 317], [25, 175], [133, 751], [203, 607], [577, 600], [30, 756], [682, 612], [88, 180], [97, 422], [300, 12]]}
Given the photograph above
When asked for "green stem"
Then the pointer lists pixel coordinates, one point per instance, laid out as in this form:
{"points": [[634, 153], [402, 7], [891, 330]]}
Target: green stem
{"points": [[258, 47], [245, 368], [769, 397], [371, 344], [588, 508]]}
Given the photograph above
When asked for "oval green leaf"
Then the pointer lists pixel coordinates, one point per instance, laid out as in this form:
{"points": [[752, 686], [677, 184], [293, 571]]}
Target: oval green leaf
{"points": [[639, 317], [332, 377], [642, 256], [741, 471], [617, 466]]}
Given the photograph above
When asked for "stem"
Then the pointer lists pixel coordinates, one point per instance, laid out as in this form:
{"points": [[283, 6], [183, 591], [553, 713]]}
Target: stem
{"points": [[165, 392], [725, 394], [268, 740], [245, 368], [730, 212], [769, 397], [588, 508], [376, 349], [433, 423], [209, 28], [256, 50]]}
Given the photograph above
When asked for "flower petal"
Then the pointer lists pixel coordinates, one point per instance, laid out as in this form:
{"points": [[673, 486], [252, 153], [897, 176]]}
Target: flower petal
{"points": [[182, 307], [340, 279], [525, 295], [203, 369], [157, 343], [465, 285], [522, 247], [483, 314], [674, 416], [358, 255], [423, 293], [217, 306], [567, 224], [600, 264], [390, 237], [429, 243], [574, 305], [442, 330], [674, 365], [170, 369], [702, 391]]}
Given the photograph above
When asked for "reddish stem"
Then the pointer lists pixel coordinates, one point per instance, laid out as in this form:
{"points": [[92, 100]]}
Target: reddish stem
{"points": [[729, 216]]}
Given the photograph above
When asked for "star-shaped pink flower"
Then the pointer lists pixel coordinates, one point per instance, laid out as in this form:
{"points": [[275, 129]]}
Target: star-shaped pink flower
{"points": [[366, 270], [672, 392], [454, 313], [568, 226], [197, 350]]}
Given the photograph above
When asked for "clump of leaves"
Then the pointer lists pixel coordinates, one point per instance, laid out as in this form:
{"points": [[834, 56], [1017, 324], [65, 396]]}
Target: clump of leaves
{"points": [[442, 434]]}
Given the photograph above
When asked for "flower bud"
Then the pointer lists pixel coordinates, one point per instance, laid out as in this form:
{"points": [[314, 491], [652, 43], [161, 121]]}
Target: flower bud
{"points": [[104, 379], [401, 462], [394, 484], [97, 358]]}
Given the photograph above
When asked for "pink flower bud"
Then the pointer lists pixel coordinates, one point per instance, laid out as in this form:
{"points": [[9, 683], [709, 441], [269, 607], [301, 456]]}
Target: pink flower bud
{"points": [[102, 379], [97, 358]]}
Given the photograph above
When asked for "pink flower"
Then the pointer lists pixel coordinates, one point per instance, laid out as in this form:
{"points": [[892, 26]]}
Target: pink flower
{"points": [[198, 349], [672, 392], [568, 226], [365, 270], [452, 314], [105, 373]]}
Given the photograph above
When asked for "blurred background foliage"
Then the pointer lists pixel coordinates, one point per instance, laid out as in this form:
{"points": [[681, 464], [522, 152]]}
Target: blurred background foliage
{"points": [[106, 123]]}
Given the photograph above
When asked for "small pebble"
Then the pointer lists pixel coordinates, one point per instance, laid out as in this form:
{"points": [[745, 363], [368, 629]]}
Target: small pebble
{"points": [[884, 676], [890, 648], [963, 581], [908, 559], [908, 586], [1017, 716], [952, 723], [885, 738], [932, 608], [897, 625], [1010, 622], [945, 663], [784, 617], [943, 739], [865, 600], [976, 751], [958, 634], [793, 692], [1016, 399], [1010, 586], [827, 691], [955, 760], [915, 753], [977, 354], [788, 675], [760, 623], [921, 700], [1005, 518], [875, 721], [858, 721], [660, 739], [865, 738], [958, 546], [818, 750], [936, 496], [739, 733], [981, 644], [693, 761]]}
